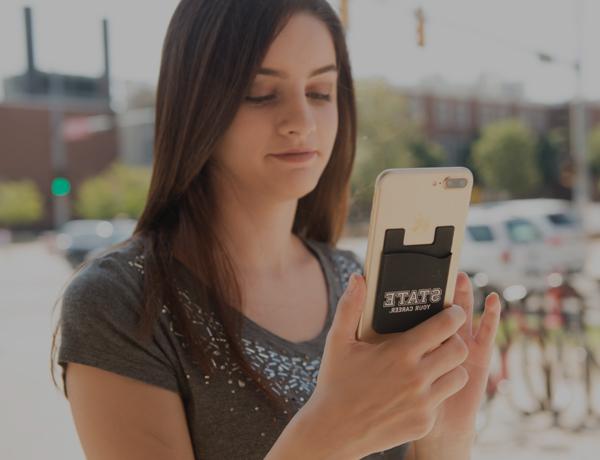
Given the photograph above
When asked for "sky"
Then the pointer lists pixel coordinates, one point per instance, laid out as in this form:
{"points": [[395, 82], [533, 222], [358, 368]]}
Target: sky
{"points": [[464, 39]]}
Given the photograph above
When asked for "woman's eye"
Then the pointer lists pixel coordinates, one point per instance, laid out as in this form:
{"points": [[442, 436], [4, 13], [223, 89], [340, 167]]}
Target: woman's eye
{"points": [[321, 96], [262, 99]]}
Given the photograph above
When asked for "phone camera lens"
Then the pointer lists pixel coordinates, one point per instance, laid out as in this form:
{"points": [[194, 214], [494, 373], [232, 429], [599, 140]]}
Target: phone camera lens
{"points": [[458, 182]]}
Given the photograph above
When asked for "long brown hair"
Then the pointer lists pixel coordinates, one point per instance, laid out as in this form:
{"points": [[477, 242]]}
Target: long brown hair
{"points": [[211, 54]]}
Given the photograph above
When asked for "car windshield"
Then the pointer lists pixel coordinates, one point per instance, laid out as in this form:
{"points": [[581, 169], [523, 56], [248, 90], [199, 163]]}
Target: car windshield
{"points": [[561, 219], [84, 227], [522, 231], [123, 229], [480, 233]]}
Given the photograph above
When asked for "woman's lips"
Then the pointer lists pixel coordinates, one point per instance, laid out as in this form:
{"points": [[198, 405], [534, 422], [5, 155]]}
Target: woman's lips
{"points": [[295, 157]]}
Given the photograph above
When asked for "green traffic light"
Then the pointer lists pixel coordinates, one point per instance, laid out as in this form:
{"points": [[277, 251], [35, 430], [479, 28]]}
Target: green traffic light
{"points": [[61, 186]]}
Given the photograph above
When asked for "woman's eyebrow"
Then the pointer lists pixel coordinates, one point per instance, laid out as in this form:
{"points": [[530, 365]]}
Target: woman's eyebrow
{"points": [[282, 74]]}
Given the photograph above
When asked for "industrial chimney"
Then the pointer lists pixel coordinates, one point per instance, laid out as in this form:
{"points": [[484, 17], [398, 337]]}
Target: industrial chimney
{"points": [[106, 44], [29, 41]]}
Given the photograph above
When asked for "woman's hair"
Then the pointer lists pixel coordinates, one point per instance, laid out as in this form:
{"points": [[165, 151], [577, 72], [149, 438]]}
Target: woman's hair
{"points": [[211, 54]]}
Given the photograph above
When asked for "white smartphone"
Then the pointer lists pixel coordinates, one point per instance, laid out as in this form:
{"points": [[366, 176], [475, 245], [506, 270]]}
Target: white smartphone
{"points": [[416, 233]]}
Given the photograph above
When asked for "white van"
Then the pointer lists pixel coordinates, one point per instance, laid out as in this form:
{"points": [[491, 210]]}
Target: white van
{"points": [[563, 233], [508, 248]]}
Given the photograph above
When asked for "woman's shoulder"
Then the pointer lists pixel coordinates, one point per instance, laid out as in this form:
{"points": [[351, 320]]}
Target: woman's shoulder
{"points": [[100, 317], [115, 276]]}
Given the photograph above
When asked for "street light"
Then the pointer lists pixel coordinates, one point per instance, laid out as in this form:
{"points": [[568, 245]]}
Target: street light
{"points": [[577, 122]]}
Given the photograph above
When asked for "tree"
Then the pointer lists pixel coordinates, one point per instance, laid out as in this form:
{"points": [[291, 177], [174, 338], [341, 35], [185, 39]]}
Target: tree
{"points": [[387, 138], [594, 157], [552, 158], [505, 156], [594, 150], [120, 190], [426, 154], [20, 203]]}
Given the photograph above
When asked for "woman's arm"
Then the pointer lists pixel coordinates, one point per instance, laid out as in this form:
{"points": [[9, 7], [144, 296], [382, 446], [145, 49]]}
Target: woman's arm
{"points": [[311, 435], [121, 418], [451, 449]]}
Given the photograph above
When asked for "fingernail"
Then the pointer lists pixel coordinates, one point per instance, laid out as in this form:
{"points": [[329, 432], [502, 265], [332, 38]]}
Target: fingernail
{"points": [[495, 306]]}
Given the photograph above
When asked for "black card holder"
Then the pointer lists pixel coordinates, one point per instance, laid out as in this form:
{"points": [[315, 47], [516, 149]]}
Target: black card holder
{"points": [[411, 284]]}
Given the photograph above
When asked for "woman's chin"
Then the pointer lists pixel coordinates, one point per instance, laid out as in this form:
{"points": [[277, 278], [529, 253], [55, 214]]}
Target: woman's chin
{"points": [[294, 190]]}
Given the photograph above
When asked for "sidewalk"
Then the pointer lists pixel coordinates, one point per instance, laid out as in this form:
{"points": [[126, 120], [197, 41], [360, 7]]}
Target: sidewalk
{"points": [[511, 437]]}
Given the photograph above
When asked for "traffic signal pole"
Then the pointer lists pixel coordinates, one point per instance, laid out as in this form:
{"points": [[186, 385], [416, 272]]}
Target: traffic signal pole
{"points": [[344, 13], [61, 206], [420, 15]]}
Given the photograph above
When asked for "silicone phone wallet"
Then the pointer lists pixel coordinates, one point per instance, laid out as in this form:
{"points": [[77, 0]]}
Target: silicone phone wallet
{"points": [[412, 280]]}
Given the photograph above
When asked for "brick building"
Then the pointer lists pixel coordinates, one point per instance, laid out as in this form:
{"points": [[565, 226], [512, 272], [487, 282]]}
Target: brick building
{"points": [[25, 150], [453, 116], [38, 106]]}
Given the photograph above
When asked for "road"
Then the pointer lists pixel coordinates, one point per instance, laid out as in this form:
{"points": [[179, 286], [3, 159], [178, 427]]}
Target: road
{"points": [[35, 420]]}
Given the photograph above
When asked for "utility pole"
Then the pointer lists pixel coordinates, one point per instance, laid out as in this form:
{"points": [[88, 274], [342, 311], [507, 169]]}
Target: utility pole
{"points": [[577, 120], [578, 124]]}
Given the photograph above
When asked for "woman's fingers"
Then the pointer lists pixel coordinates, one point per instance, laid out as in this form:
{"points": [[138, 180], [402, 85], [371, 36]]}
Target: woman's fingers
{"points": [[488, 325], [429, 334], [463, 296], [448, 384], [446, 357]]}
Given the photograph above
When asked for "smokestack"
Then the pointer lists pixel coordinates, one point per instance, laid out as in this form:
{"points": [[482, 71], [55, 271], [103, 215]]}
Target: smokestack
{"points": [[106, 75], [29, 40]]}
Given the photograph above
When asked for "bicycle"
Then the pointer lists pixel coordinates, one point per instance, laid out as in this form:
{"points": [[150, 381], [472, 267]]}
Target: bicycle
{"points": [[559, 363], [500, 379]]}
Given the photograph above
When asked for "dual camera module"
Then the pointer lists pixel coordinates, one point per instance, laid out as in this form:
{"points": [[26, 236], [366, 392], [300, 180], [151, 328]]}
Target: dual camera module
{"points": [[452, 182]]}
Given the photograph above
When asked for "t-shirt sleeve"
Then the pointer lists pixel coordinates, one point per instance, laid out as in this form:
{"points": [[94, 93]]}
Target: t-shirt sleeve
{"points": [[98, 323], [356, 261], [346, 262], [353, 261]]}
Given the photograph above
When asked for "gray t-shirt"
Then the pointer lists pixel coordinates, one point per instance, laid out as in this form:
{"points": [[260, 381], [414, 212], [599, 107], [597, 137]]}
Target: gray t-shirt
{"points": [[228, 416]]}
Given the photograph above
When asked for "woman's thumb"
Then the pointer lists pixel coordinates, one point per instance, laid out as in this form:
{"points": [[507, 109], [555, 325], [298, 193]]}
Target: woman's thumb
{"points": [[349, 308]]}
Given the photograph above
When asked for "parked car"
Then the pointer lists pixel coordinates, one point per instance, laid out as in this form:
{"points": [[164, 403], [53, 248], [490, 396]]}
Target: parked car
{"points": [[563, 233], [77, 239], [508, 249], [5, 236]]}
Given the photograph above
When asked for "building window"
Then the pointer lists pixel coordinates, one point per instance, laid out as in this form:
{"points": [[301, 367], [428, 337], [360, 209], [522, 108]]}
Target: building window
{"points": [[442, 113], [501, 112], [416, 108], [486, 115], [463, 115]]}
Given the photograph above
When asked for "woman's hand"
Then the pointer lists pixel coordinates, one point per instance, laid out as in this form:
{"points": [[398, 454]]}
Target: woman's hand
{"points": [[373, 397], [455, 421]]}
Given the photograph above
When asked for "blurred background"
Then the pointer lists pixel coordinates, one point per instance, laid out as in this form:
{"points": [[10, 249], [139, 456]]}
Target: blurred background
{"points": [[507, 88]]}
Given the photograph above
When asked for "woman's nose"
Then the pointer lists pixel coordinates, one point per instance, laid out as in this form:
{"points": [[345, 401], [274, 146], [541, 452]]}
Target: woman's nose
{"points": [[298, 119]]}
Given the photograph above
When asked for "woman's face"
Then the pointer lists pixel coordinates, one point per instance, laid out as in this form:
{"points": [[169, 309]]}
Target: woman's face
{"points": [[289, 106]]}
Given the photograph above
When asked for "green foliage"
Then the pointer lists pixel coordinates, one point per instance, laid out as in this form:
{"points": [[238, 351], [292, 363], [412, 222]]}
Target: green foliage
{"points": [[387, 138], [505, 157], [550, 148], [119, 191], [594, 150], [426, 154], [20, 202]]}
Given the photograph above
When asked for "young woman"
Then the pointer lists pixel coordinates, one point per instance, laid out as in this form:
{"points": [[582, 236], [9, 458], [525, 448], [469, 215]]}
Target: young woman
{"points": [[224, 328]]}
